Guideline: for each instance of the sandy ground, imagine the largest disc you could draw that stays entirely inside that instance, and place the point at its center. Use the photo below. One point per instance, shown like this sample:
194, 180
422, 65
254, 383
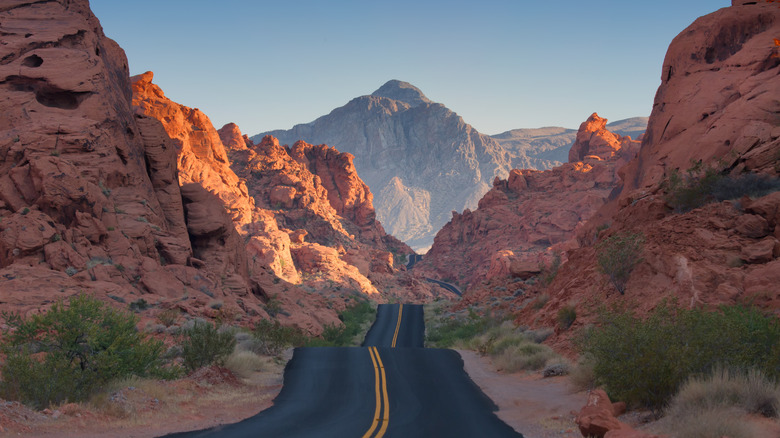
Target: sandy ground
143, 409
532, 405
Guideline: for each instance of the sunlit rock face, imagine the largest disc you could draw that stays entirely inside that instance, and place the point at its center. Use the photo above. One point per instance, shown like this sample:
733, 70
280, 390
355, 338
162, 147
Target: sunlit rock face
420, 159
90, 199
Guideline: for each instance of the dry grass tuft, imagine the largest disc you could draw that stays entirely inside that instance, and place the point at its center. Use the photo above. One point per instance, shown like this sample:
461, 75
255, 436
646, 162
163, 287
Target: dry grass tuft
751, 392
713, 422
715, 405
582, 376
244, 363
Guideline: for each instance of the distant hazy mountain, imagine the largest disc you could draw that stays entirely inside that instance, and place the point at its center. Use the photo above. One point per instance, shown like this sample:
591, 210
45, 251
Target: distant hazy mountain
420, 159
545, 148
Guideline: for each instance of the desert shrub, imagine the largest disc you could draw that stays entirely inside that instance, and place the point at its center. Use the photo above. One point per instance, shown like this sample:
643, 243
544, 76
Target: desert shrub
525, 356
702, 184
566, 316
72, 350
713, 423
168, 317
750, 391
550, 272
244, 363
618, 255
645, 361
272, 338
273, 307
448, 332
582, 376
202, 345
715, 405
540, 301
354, 319
139, 305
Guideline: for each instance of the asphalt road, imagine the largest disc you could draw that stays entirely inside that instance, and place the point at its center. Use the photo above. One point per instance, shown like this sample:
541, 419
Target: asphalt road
448, 286
403, 324
375, 391
413, 259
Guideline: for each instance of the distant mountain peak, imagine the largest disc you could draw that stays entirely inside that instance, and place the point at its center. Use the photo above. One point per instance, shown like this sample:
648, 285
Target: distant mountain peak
402, 91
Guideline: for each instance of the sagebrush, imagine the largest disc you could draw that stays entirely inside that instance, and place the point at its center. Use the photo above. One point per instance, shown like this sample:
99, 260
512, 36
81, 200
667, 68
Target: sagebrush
644, 361
618, 255
203, 344
69, 352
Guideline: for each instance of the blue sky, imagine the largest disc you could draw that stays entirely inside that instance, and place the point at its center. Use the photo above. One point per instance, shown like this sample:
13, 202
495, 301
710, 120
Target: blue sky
500, 64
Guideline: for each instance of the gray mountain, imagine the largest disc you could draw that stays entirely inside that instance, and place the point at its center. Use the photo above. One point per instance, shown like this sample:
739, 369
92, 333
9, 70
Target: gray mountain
420, 159
545, 148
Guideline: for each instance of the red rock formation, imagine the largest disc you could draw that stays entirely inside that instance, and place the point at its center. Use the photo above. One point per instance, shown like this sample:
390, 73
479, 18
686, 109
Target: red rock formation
718, 98
521, 218
232, 138
89, 192
201, 154
717, 105
598, 418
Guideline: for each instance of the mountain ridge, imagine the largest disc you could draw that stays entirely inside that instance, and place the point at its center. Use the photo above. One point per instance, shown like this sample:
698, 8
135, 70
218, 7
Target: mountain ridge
400, 149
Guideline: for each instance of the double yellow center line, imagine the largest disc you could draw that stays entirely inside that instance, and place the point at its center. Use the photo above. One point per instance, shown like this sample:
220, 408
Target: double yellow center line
398, 325
382, 411
382, 402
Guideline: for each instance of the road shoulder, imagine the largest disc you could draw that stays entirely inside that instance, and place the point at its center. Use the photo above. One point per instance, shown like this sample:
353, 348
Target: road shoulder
532, 405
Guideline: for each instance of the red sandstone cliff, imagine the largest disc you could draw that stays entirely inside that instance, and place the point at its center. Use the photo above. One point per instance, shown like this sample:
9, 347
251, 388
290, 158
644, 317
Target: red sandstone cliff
89, 193
521, 219
718, 106
119, 192
306, 217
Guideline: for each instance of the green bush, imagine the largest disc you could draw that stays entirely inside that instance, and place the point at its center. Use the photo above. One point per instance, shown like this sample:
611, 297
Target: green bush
203, 345
705, 184
72, 350
448, 332
354, 319
644, 361
618, 255
272, 338
566, 316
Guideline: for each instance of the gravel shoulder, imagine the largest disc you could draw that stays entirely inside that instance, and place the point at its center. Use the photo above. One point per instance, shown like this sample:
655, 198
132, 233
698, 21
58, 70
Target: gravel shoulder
534, 406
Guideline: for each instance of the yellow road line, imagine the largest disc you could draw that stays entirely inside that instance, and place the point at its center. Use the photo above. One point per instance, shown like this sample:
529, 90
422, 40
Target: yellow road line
386, 417
383, 402
378, 400
398, 325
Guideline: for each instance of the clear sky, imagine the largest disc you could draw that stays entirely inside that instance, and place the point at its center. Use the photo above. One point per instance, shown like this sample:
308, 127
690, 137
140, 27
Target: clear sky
500, 64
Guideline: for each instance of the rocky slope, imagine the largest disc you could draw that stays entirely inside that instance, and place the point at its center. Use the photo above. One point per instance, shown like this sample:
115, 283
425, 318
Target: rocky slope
545, 148
420, 159
717, 107
109, 188
520, 219
89, 195
306, 217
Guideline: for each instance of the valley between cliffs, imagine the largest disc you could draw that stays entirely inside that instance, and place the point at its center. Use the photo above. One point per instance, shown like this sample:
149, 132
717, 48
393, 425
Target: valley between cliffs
110, 189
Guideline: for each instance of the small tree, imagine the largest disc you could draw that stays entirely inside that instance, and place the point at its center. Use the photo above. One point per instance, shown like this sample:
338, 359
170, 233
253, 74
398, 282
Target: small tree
203, 345
71, 350
618, 255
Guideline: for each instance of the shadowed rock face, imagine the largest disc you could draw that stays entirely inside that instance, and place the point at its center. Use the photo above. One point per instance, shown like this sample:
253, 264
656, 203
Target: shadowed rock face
420, 159
718, 105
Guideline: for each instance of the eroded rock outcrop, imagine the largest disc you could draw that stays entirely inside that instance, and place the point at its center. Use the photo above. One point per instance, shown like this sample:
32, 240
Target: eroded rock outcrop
89, 192
521, 219
717, 108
